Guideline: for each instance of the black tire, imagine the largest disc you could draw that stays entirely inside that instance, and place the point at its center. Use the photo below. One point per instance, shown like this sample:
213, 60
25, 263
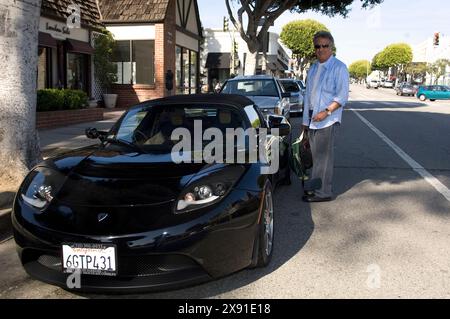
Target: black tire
422, 98
263, 249
432, 100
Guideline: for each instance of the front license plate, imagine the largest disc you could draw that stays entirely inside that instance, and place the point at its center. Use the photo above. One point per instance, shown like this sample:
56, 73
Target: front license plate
90, 259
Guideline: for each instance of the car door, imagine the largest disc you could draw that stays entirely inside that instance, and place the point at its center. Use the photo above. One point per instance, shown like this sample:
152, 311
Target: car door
435, 92
446, 93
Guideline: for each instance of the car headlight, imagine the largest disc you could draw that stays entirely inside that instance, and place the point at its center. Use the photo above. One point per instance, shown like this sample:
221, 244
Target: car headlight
208, 189
277, 110
40, 187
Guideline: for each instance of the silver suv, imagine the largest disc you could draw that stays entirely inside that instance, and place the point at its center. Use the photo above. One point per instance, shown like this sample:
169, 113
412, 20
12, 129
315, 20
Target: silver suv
293, 87
265, 91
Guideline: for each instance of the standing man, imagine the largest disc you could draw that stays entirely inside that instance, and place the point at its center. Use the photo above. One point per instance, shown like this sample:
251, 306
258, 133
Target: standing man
327, 91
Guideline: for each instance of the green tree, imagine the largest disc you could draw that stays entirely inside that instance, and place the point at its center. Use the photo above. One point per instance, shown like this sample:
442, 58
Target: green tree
416, 70
298, 36
378, 63
397, 55
105, 69
437, 69
360, 69
261, 14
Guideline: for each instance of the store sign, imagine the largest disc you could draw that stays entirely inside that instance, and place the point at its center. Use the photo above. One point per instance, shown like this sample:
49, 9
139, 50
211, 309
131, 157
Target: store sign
57, 29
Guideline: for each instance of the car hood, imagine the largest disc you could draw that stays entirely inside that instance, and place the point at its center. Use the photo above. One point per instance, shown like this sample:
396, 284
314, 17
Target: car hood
265, 102
113, 177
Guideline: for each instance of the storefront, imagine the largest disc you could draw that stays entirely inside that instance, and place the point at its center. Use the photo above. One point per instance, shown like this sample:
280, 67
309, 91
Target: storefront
65, 54
154, 39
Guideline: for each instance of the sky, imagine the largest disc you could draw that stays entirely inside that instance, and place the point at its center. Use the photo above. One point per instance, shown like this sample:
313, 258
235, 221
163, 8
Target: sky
364, 32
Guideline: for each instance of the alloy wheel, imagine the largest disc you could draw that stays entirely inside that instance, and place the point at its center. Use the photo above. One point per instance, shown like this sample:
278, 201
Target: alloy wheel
268, 223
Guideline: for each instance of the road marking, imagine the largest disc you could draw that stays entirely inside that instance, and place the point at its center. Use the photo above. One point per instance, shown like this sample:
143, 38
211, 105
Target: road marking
433, 181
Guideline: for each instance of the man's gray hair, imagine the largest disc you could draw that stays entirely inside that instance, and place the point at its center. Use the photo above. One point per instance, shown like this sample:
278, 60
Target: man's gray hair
325, 35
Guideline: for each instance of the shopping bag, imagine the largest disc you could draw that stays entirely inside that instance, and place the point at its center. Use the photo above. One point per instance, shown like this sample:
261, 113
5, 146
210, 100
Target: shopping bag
301, 157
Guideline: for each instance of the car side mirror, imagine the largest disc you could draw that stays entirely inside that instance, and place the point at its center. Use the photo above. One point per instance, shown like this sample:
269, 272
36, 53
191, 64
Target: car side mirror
286, 95
280, 123
93, 133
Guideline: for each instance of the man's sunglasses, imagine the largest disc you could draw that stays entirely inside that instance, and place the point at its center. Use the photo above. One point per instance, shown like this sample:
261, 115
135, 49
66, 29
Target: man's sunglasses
324, 46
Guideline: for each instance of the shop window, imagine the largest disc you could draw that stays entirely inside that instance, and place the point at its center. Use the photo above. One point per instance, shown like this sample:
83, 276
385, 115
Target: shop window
76, 71
193, 73
135, 62
178, 77
186, 64
44, 75
186, 71
143, 62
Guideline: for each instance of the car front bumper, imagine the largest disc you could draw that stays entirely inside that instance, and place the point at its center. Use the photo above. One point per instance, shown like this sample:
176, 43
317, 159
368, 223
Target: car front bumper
218, 243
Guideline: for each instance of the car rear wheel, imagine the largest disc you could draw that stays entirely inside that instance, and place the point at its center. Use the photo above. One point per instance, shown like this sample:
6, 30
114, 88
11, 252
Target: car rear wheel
422, 97
264, 241
432, 100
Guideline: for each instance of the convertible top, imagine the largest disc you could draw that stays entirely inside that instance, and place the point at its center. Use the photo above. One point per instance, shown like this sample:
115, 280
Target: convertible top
226, 99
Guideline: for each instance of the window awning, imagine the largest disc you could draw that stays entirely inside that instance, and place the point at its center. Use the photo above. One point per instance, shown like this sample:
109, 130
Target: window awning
218, 61
46, 40
76, 46
277, 63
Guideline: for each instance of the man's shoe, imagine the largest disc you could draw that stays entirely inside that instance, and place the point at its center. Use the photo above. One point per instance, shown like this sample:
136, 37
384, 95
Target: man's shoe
316, 199
307, 195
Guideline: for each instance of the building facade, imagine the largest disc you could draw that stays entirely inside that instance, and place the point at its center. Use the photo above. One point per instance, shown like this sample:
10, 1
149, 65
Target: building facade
154, 40
225, 54
429, 52
65, 51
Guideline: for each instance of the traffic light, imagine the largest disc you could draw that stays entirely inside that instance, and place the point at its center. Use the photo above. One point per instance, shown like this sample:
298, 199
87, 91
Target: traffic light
436, 39
225, 24
235, 47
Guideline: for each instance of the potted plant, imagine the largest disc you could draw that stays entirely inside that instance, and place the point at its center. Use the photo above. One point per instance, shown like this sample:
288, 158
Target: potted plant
105, 69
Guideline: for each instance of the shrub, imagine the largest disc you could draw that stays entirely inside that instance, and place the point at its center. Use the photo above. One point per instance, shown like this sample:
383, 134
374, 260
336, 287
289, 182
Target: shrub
54, 99
50, 100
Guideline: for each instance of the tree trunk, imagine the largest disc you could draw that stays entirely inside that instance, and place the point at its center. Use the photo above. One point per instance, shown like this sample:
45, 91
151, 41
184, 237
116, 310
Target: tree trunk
251, 63
19, 146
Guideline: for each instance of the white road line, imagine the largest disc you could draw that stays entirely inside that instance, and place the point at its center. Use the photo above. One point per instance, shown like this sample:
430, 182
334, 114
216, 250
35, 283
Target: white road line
433, 181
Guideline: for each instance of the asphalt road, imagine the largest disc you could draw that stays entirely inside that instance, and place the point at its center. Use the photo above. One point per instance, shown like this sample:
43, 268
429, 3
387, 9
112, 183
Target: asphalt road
387, 234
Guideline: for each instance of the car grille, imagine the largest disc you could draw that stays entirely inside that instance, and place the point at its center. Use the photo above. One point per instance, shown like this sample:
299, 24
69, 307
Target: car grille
135, 266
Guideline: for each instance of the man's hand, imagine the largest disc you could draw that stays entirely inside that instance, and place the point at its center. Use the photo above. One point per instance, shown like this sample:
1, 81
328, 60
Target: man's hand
320, 116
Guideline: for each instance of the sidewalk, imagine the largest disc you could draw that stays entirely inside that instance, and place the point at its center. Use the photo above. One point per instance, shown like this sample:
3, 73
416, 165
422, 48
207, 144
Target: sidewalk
57, 141
63, 139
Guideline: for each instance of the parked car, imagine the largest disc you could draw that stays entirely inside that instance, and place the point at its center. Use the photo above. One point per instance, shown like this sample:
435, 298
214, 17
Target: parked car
127, 217
405, 89
302, 86
265, 91
388, 84
372, 84
296, 100
433, 92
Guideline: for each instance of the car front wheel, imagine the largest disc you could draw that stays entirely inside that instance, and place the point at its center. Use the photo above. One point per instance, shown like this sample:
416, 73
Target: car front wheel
422, 97
265, 235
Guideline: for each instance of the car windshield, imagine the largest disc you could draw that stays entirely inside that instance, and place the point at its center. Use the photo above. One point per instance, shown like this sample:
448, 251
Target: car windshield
251, 88
290, 86
301, 85
150, 128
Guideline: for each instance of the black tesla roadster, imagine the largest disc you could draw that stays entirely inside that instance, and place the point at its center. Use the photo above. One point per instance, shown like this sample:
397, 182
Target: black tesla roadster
126, 217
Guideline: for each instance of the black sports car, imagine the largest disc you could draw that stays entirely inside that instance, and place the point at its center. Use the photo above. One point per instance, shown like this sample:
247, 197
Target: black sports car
126, 217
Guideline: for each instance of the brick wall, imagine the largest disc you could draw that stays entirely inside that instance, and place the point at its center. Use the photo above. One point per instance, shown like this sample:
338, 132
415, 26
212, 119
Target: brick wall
165, 34
46, 120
